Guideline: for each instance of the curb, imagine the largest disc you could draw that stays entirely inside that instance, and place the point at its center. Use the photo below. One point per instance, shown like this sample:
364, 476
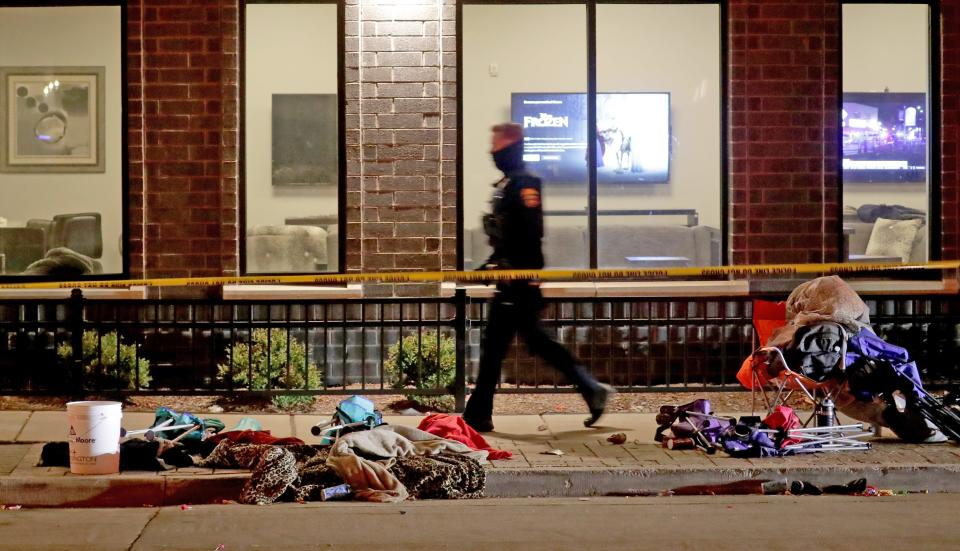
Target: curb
593, 482
171, 489
119, 490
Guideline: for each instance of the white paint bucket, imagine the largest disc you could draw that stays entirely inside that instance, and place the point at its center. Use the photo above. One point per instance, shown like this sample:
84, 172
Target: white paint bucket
94, 437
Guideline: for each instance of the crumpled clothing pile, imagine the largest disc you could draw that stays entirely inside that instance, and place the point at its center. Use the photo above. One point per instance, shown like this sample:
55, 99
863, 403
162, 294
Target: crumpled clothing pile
387, 463
822, 299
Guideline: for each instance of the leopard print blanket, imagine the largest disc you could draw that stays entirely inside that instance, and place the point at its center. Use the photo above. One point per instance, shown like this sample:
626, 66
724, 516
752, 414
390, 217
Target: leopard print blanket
300, 472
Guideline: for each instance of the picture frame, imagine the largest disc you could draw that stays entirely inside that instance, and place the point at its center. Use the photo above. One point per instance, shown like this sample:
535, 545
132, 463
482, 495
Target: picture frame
52, 119
304, 140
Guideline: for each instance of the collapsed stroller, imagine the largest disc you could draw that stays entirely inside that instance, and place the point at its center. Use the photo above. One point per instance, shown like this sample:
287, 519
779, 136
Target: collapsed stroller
877, 368
781, 433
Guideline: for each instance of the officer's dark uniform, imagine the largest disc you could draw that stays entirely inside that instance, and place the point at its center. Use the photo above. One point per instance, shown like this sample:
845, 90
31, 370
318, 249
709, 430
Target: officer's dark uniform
515, 229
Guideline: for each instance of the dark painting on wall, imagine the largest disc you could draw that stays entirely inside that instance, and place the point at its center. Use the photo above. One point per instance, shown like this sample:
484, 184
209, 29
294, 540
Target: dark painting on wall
304, 141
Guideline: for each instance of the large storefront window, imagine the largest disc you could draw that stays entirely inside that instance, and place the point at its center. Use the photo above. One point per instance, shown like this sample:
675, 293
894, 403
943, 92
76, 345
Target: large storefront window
62, 143
512, 72
659, 181
654, 194
291, 138
886, 122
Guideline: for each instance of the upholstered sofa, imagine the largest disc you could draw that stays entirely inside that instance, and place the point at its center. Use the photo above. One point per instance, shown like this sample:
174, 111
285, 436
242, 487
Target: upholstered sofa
567, 246
291, 249
889, 242
67, 244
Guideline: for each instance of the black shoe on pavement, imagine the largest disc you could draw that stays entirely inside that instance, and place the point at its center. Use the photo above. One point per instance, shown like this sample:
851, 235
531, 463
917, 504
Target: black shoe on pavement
804, 488
854, 487
485, 425
598, 403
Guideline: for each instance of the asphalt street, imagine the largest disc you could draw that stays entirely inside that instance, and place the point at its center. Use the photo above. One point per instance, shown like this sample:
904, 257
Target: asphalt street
702, 523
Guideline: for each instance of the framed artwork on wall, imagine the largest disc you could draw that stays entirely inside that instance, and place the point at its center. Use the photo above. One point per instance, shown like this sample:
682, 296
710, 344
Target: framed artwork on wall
52, 119
304, 140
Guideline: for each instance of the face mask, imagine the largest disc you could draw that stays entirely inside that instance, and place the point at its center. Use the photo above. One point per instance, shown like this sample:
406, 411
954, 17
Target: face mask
509, 158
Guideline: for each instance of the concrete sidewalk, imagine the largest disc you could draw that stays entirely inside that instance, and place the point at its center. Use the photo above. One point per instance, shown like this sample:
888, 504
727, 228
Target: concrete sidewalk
588, 466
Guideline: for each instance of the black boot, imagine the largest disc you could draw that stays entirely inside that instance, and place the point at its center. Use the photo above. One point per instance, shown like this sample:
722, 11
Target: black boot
597, 403
854, 487
479, 425
804, 488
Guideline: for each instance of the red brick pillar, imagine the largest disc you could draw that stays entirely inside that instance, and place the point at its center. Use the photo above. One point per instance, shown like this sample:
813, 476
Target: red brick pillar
182, 69
950, 127
784, 85
401, 139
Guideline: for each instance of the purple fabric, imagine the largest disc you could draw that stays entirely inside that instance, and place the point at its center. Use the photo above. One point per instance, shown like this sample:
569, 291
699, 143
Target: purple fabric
867, 344
710, 427
757, 444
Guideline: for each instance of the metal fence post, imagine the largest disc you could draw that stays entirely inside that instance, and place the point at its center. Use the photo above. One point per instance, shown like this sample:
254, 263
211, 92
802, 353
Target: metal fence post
460, 327
75, 313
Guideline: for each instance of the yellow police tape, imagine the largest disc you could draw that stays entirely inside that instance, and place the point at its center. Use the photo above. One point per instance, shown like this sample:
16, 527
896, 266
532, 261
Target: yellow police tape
498, 275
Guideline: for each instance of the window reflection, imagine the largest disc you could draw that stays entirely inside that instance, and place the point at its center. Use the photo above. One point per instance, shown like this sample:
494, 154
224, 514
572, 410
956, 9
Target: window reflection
885, 132
526, 76
291, 138
61, 168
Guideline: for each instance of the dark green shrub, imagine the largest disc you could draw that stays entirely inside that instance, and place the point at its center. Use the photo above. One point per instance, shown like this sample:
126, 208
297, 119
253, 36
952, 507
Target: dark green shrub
255, 367
100, 362
420, 361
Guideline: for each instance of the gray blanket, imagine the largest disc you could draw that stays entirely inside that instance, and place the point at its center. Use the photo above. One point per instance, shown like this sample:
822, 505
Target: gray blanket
388, 441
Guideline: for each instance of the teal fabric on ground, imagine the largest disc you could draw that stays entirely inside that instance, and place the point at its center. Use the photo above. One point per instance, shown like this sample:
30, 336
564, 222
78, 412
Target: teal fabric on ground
206, 425
248, 423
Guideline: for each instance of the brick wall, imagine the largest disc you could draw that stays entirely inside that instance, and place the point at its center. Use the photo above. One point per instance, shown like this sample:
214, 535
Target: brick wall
784, 77
182, 66
950, 127
401, 139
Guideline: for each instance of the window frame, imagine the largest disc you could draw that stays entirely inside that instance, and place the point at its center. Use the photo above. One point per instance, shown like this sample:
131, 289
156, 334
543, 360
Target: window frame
341, 135
592, 187
934, 174
124, 272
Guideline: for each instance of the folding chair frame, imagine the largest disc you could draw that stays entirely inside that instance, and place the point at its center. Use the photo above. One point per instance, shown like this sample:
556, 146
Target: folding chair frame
784, 388
822, 439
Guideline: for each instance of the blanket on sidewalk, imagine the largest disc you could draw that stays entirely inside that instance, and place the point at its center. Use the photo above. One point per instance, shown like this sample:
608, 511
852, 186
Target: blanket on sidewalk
386, 466
364, 459
387, 441
455, 428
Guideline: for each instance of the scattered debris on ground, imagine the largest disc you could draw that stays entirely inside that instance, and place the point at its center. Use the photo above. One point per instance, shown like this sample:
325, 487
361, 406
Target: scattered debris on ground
617, 438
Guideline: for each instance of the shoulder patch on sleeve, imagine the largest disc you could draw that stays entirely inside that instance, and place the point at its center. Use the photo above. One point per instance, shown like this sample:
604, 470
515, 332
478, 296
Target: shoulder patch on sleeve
530, 197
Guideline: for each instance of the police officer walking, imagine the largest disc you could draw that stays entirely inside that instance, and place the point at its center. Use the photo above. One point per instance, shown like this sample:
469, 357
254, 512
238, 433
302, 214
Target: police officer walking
514, 229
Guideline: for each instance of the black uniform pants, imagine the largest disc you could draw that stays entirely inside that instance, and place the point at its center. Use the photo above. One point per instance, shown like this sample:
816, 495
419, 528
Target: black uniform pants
512, 312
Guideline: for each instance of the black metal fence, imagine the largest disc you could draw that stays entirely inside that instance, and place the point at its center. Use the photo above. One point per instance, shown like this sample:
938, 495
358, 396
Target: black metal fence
427, 346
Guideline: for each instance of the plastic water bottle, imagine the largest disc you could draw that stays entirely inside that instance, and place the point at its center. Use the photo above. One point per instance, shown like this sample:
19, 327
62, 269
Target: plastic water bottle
825, 413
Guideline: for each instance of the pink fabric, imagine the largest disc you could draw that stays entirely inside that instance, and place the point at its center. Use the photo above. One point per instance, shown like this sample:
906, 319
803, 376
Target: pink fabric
455, 428
783, 418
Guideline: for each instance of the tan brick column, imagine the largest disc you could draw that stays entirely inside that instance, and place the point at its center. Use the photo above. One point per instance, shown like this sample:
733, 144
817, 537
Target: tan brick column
401, 140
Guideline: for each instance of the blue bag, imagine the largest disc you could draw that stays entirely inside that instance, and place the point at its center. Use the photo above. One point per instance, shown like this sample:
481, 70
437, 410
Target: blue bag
358, 409
353, 414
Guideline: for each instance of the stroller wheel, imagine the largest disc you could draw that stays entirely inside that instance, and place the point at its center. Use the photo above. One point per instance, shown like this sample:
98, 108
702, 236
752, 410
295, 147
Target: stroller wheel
952, 399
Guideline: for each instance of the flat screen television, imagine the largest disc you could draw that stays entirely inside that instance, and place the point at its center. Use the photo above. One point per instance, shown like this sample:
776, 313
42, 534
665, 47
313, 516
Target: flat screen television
884, 137
633, 136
